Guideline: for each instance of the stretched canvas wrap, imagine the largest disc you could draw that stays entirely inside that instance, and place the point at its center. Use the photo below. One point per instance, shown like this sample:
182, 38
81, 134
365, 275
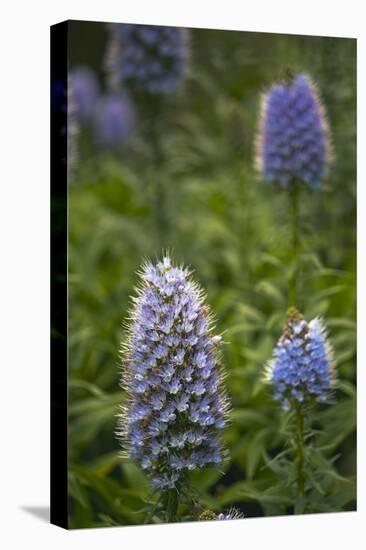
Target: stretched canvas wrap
203, 216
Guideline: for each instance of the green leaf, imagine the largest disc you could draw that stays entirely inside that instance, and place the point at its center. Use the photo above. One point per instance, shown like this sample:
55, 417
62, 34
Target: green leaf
255, 451
269, 290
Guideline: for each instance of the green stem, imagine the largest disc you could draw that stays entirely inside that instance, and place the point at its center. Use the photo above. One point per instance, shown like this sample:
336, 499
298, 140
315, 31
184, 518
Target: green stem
299, 506
172, 501
160, 211
154, 115
294, 205
245, 224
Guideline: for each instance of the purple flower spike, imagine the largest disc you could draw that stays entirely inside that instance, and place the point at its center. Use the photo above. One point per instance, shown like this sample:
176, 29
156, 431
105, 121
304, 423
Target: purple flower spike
174, 416
147, 58
302, 370
85, 92
293, 139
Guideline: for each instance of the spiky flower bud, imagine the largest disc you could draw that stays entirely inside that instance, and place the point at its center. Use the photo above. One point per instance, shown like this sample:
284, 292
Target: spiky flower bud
233, 513
113, 121
176, 402
147, 58
293, 139
302, 370
85, 91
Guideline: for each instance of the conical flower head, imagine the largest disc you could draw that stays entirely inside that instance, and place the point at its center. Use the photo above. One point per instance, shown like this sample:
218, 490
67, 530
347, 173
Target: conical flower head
147, 58
176, 403
301, 370
293, 139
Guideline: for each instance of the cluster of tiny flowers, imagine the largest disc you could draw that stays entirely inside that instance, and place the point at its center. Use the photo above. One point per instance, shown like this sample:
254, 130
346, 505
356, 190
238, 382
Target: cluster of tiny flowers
302, 368
113, 121
177, 406
146, 58
85, 92
293, 141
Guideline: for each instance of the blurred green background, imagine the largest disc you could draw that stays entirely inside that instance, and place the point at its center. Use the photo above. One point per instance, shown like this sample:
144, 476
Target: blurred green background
233, 230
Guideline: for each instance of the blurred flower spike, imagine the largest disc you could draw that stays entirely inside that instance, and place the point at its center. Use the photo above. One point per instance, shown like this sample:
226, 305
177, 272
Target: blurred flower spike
85, 92
146, 58
113, 121
293, 139
177, 406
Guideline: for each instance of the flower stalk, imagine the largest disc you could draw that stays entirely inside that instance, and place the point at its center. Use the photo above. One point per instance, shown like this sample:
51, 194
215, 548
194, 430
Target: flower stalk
172, 503
154, 114
300, 501
294, 193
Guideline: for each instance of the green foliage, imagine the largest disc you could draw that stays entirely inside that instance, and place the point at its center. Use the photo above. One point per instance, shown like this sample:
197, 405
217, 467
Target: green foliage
233, 230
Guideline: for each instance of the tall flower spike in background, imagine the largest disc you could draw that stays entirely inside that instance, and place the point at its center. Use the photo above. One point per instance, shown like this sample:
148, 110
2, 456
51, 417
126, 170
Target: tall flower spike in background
147, 58
150, 62
293, 139
176, 402
293, 149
